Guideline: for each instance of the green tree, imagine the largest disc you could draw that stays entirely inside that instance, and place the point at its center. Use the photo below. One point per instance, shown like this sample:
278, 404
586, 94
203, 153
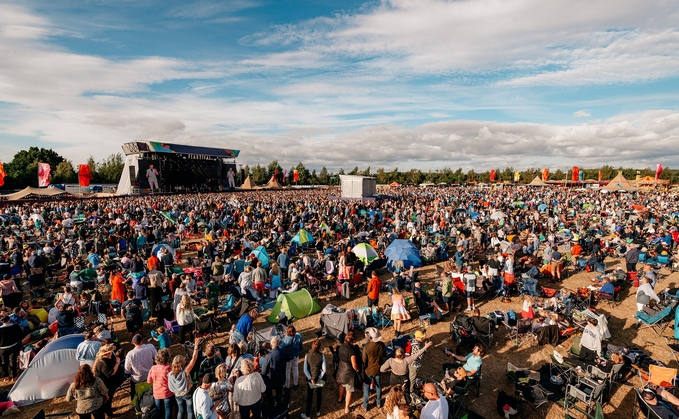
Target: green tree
366, 172
304, 175
324, 177
64, 173
272, 168
354, 172
110, 169
259, 175
313, 179
22, 171
381, 176
341, 171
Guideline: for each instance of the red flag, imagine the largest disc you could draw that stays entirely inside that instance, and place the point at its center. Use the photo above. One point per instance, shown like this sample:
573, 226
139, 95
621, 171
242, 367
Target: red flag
43, 174
601, 175
295, 176
2, 175
492, 175
545, 174
576, 174
84, 174
658, 171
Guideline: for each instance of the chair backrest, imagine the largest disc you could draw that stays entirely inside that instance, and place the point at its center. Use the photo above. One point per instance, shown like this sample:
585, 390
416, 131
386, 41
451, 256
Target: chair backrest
661, 376
644, 407
578, 394
663, 259
168, 326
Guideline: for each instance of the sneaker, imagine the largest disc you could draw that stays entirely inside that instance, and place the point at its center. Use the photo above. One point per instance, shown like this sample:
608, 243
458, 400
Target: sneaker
318, 414
468, 309
304, 416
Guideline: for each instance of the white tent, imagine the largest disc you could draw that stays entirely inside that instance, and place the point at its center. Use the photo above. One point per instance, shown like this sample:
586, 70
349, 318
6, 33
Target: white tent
50, 373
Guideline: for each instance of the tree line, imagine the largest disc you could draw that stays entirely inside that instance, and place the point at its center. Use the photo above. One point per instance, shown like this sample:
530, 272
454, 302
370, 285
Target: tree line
262, 174
22, 171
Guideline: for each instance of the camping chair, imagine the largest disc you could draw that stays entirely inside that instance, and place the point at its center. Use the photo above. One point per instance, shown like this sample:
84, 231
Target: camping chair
610, 300
515, 374
172, 329
463, 334
534, 394
521, 333
659, 321
483, 329
143, 402
456, 402
658, 376
586, 391
641, 406
42, 415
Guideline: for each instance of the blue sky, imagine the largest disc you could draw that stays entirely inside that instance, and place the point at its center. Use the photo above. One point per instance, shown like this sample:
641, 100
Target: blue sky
394, 83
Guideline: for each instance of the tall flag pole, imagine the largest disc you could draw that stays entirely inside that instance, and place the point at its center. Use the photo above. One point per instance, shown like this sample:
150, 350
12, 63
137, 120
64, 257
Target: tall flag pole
43, 174
658, 172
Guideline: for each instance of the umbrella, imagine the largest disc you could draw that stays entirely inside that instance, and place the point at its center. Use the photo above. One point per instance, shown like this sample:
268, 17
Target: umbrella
365, 253
405, 251
260, 253
474, 215
37, 217
497, 215
302, 237
363, 234
167, 247
459, 211
324, 227
543, 207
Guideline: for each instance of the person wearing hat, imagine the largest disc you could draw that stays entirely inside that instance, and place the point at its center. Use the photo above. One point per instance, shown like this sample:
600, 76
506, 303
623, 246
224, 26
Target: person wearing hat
203, 406
107, 368
373, 356
661, 402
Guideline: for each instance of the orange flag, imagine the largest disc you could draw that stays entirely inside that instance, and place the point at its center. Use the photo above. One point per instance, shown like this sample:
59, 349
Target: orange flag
2, 174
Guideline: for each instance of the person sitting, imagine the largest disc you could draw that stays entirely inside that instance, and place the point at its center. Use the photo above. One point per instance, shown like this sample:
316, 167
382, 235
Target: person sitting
607, 288
425, 303
472, 362
458, 379
661, 402
66, 320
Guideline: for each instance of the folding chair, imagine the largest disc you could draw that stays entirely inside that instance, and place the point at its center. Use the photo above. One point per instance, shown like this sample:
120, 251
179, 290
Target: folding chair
662, 377
641, 406
585, 391
172, 328
456, 402
484, 329
658, 322
521, 375
534, 394
521, 333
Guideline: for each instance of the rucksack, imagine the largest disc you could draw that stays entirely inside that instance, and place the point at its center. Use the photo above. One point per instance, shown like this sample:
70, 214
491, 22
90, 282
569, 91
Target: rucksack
511, 318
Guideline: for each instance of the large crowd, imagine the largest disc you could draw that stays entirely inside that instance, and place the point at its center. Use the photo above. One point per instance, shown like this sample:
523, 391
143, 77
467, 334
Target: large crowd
167, 260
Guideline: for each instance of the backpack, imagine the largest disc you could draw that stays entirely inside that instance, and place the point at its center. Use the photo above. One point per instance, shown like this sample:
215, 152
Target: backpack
511, 318
463, 322
132, 310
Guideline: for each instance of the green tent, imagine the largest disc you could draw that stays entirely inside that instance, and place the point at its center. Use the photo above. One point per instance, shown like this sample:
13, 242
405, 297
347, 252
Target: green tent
296, 305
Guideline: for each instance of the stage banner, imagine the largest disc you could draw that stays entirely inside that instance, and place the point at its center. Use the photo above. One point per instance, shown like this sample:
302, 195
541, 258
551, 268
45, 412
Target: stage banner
576, 174
517, 176
492, 175
545, 174
43, 174
601, 175
2, 175
582, 175
658, 171
295, 176
84, 174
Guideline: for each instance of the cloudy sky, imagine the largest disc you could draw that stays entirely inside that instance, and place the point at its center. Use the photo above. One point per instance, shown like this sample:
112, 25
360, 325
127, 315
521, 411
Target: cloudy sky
393, 83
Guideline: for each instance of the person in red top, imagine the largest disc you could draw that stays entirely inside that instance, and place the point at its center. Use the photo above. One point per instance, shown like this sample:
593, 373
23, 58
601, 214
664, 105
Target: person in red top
153, 262
162, 395
374, 287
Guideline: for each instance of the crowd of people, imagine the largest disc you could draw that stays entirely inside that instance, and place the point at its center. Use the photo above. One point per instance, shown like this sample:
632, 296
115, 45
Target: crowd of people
141, 256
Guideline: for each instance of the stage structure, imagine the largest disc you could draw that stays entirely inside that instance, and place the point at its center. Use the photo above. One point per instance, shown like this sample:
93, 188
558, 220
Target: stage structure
153, 167
358, 187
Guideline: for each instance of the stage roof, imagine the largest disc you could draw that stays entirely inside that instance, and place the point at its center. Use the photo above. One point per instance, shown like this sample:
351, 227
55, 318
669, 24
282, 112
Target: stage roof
137, 147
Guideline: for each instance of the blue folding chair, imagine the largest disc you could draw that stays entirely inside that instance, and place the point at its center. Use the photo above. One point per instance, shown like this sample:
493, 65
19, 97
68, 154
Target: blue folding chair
659, 321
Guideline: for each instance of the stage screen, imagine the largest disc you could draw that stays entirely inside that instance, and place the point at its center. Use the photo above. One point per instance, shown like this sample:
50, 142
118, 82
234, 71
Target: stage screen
178, 174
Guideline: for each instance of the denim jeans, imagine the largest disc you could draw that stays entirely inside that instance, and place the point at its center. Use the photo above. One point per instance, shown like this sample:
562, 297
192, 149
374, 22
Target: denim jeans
163, 408
254, 409
184, 405
531, 286
366, 390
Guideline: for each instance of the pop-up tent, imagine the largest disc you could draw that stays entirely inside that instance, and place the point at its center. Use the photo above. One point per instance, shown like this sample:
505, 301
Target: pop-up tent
405, 251
303, 237
296, 305
50, 373
261, 254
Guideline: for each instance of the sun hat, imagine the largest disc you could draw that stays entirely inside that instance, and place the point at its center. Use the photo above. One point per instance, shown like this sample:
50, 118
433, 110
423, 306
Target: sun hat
373, 334
419, 334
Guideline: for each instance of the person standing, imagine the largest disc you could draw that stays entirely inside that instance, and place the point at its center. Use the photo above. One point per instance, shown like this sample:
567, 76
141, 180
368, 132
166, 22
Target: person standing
180, 384
590, 343
10, 345
555, 263
158, 377
203, 406
107, 368
152, 177
314, 369
348, 369
87, 350
186, 318
632, 258
399, 312
436, 407
247, 391
373, 355
399, 367
89, 392
273, 371
292, 342
374, 288
415, 366
139, 361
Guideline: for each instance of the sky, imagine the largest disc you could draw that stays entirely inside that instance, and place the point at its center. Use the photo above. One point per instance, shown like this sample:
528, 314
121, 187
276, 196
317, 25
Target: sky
426, 84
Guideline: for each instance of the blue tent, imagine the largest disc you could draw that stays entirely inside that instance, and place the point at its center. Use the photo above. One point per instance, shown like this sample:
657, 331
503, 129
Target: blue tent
167, 247
404, 250
543, 207
260, 253
474, 215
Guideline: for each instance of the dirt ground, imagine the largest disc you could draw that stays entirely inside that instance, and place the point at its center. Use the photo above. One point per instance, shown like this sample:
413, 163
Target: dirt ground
621, 324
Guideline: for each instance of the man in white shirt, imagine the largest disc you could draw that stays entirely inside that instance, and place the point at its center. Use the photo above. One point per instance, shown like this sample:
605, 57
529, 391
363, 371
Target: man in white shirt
203, 406
436, 407
139, 361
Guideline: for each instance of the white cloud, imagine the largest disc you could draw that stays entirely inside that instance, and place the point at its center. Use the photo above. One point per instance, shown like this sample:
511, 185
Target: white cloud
582, 114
